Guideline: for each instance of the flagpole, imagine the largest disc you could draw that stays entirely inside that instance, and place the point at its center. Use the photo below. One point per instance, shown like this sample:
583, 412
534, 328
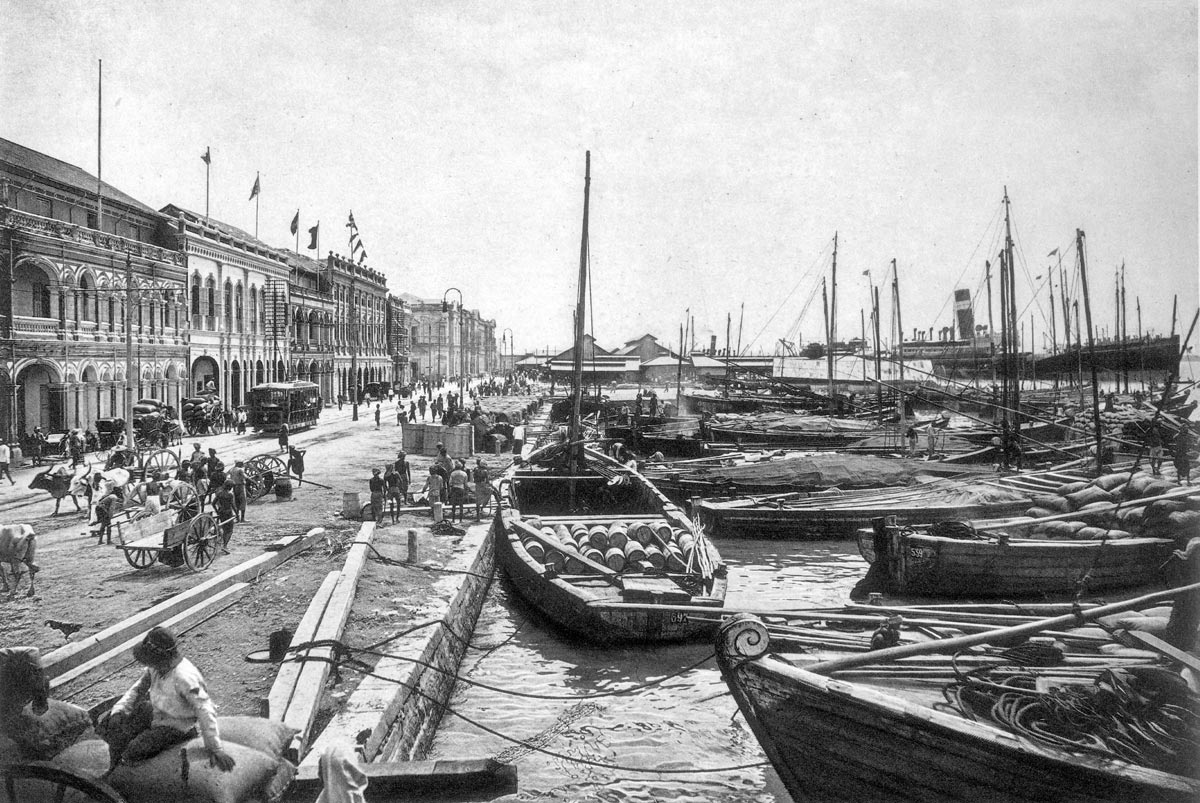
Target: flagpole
207, 168
297, 231
99, 143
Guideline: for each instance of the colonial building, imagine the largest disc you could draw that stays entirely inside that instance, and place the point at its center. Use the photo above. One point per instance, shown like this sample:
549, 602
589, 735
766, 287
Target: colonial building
360, 325
399, 319
237, 303
311, 319
447, 340
75, 264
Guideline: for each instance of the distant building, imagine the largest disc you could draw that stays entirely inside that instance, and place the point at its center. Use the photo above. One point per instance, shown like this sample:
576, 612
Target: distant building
237, 306
360, 326
645, 348
308, 320
399, 323
68, 260
446, 341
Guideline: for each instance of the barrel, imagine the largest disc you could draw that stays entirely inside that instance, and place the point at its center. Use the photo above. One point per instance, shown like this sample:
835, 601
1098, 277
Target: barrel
598, 536
615, 559
437, 511
686, 542
535, 549
643, 534
594, 555
573, 565
18, 456
562, 534
351, 505
634, 552
656, 558
664, 532
555, 560
675, 561
618, 535
578, 530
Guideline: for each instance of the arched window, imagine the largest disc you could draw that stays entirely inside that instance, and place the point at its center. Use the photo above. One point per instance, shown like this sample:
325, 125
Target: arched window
253, 309
210, 311
168, 301
228, 306
112, 314
85, 310
196, 299
239, 303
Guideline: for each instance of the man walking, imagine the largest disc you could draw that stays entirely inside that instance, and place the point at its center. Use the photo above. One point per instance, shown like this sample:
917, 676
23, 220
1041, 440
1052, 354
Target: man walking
226, 510
482, 486
378, 412
377, 486
518, 439
5, 459
237, 475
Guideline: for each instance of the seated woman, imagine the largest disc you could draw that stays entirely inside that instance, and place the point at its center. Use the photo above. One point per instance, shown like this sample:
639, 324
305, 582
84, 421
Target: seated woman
166, 707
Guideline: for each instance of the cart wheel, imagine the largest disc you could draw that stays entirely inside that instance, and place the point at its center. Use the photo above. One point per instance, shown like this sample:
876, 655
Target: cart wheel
162, 460
256, 467
185, 501
41, 780
200, 544
140, 558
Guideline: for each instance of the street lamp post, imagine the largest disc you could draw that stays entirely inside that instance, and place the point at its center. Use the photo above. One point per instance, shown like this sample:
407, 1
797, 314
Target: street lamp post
462, 352
507, 337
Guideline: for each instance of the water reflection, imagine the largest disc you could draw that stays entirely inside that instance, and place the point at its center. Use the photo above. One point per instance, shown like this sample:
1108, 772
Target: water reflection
589, 748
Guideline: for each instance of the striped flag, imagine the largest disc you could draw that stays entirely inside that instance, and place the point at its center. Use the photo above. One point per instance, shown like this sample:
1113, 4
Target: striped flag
207, 156
255, 189
356, 244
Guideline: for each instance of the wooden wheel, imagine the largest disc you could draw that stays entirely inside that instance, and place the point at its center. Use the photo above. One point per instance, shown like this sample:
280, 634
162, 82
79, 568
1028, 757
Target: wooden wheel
41, 780
200, 544
161, 460
140, 558
255, 468
184, 500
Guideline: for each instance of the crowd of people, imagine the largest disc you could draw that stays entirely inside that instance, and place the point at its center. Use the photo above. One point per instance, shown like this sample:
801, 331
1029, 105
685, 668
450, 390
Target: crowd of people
450, 483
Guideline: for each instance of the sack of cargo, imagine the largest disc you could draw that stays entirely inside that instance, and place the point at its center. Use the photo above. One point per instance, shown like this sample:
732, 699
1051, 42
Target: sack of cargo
1055, 503
1087, 496
1056, 529
1098, 513
1071, 487
1075, 526
40, 738
1108, 482
1184, 523
1156, 625
87, 757
1039, 512
1089, 534
1116, 535
1192, 502
1158, 488
144, 409
1131, 517
151, 402
1136, 487
1161, 509
182, 774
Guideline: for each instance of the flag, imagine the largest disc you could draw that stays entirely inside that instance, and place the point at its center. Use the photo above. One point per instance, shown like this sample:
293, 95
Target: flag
314, 233
866, 273
352, 225
296, 222
362, 257
1052, 253
256, 188
207, 156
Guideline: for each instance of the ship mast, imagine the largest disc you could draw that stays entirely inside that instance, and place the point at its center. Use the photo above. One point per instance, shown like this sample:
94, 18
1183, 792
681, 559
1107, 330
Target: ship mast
1091, 343
575, 433
831, 319
1012, 312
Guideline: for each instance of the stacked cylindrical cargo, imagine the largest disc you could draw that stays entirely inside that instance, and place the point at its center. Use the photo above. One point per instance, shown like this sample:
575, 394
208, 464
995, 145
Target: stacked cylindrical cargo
623, 546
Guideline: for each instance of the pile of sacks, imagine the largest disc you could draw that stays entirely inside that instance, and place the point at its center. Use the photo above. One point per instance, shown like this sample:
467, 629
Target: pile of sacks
66, 737
1093, 501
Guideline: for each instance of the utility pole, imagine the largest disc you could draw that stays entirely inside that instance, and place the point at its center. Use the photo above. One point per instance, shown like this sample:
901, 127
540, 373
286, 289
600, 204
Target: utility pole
353, 350
128, 351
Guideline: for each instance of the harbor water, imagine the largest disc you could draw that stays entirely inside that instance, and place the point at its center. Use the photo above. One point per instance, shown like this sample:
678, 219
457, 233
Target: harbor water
584, 743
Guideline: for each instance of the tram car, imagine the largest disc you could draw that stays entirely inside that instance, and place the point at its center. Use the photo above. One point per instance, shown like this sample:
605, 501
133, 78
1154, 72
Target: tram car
297, 404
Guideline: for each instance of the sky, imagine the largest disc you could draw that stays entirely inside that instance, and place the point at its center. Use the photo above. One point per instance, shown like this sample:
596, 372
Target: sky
729, 142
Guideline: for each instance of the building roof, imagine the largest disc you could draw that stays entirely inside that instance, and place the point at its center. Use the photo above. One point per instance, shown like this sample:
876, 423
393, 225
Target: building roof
704, 361
665, 359
640, 339
65, 174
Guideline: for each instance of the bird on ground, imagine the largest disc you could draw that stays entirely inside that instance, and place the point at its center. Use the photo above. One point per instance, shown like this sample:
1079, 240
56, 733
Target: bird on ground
66, 628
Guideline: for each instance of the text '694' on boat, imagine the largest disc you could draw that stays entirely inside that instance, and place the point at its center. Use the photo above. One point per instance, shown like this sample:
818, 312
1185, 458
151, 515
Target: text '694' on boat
593, 545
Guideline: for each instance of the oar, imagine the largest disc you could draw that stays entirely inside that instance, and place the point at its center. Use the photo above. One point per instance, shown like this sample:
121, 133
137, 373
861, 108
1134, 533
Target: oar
1004, 633
605, 572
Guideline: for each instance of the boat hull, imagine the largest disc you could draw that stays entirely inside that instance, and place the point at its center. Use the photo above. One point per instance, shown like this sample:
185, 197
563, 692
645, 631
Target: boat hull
920, 564
831, 740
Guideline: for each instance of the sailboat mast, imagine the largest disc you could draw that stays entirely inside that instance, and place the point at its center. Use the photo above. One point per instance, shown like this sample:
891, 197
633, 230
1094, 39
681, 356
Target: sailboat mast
878, 363
728, 359
987, 272
1012, 311
899, 325
1124, 329
831, 326
828, 344
1005, 336
576, 429
1091, 341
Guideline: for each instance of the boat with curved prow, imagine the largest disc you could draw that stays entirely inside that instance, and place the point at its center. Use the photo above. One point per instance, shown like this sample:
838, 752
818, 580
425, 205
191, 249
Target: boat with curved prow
592, 544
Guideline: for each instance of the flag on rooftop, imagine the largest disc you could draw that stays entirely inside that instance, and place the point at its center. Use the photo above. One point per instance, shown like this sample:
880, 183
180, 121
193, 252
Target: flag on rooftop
314, 233
296, 222
207, 156
256, 188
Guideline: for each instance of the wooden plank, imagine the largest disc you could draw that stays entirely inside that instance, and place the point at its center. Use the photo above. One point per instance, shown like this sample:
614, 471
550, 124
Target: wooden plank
301, 710
408, 779
177, 623
144, 528
72, 655
284, 687
1165, 648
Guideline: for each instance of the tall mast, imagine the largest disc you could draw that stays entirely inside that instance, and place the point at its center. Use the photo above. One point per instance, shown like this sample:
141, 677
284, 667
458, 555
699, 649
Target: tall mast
741, 320
987, 272
899, 324
1053, 323
728, 358
1005, 362
1124, 328
1012, 311
828, 342
832, 324
1087, 311
576, 430
878, 363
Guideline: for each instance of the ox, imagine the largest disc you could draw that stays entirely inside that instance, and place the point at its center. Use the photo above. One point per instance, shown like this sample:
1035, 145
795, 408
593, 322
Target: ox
18, 545
58, 481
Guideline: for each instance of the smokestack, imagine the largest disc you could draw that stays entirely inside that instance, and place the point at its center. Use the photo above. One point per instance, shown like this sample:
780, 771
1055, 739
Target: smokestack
712, 346
964, 314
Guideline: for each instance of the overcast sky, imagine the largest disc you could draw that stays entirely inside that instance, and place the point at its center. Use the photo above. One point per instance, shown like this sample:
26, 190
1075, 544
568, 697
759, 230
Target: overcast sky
729, 142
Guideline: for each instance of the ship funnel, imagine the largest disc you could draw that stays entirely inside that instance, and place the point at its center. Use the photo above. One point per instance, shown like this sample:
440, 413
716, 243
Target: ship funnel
964, 314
